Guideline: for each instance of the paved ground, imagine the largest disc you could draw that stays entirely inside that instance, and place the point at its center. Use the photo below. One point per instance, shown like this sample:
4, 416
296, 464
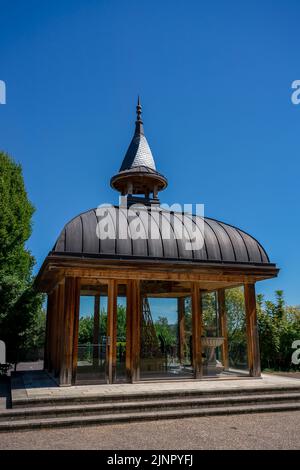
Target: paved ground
37, 384
253, 431
293, 375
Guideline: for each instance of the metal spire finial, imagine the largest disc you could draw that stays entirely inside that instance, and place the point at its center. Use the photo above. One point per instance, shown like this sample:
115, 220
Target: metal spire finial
139, 110
139, 129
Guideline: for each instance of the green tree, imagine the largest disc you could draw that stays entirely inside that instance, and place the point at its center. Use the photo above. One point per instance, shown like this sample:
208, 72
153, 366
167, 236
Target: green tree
209, 312
268, 331
19, 303
166, 331
236, 327
86, 329
279, 326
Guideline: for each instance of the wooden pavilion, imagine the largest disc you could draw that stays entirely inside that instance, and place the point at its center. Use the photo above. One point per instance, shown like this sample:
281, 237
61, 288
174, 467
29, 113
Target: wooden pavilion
85, 264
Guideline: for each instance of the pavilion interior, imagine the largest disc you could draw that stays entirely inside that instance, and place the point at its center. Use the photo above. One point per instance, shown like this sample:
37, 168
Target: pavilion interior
166, 332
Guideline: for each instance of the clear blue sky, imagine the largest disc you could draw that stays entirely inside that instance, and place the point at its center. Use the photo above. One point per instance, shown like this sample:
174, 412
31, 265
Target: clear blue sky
215, 80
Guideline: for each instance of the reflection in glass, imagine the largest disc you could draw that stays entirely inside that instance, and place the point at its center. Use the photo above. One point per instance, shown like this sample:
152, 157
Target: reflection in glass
166, 332
91, 359
236, 329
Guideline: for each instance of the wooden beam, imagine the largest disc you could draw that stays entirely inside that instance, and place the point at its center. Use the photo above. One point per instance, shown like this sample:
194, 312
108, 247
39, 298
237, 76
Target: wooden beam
252, 331
136, 330
57, 266
223, 327
59, 262
160, 275
196, 330
181, 328
111, 362
70, 331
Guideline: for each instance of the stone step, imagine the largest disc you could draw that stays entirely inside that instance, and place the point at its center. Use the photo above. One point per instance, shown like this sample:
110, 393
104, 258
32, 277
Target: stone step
73, 398
142, 405
54, 422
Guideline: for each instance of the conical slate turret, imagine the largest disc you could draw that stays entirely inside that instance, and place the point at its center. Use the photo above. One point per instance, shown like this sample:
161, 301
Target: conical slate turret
138, 153
138, 174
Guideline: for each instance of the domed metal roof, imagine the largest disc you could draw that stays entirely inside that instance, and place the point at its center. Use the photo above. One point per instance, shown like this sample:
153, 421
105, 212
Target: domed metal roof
222, 243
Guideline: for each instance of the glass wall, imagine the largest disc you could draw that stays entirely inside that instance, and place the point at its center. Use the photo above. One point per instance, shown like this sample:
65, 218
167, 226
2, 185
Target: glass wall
92, 364
165, 330
211, 337
91, 360
121, 334
166, 333
236, 330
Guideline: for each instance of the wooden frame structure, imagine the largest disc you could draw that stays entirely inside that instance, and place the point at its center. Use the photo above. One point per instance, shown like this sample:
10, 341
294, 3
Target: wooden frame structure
63, 277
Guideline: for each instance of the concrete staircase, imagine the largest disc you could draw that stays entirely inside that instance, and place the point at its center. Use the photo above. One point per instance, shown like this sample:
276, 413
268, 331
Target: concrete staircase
36, 413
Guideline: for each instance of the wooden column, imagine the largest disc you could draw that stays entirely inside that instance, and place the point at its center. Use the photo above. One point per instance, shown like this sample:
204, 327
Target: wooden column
76, 329
111, 340
252, 331
96, 329
196, 330
53, 332
70, 331
136, 330
48, 333
223, 327
62, 326
128, 360
181, 328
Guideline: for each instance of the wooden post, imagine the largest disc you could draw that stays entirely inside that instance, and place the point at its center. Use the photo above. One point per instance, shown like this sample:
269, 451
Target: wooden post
76, 329
111, 362
96, 330
181, 328
136, 330
252, 331
196, 330
128, 360
223, 327
58, 306
53, 333
47, 334
60, 327
70, 331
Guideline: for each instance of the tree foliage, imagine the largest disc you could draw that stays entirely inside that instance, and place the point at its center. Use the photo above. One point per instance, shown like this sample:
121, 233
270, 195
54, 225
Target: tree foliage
20, 305
279, 326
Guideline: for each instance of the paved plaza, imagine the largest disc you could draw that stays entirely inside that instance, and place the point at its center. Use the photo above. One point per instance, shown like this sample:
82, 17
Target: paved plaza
253, 431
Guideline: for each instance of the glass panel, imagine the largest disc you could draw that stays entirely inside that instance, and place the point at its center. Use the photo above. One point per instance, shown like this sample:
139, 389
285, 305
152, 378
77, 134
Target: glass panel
91, 361
121, 333
236, 330
166, 331
211, 339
